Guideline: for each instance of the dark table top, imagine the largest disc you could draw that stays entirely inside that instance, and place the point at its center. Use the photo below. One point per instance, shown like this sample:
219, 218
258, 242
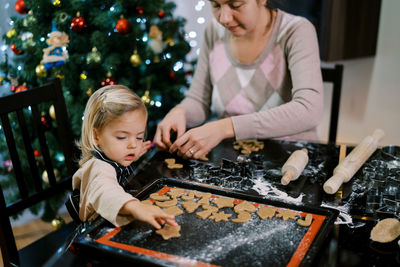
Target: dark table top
259, 173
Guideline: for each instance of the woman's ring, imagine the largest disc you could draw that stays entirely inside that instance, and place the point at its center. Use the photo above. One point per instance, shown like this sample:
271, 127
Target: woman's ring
191, 152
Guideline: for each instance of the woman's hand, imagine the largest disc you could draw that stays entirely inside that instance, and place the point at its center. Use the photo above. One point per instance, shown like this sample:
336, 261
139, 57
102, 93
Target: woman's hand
198, 141
174, 120
147, 213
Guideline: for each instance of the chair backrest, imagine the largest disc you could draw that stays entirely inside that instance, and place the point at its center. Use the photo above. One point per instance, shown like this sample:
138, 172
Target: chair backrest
334, 76
21, 117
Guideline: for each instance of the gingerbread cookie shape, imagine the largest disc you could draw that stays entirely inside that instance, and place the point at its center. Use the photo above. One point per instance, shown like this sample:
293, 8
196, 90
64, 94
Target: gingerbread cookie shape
222, 202
173, 210
169, 231
386, 230
167, 204
156, 196
220, 216
266, 212
244, 206
169, 161
208, 210
242, 217
190, 196
286, 214
307, 221
176, 192
190, 206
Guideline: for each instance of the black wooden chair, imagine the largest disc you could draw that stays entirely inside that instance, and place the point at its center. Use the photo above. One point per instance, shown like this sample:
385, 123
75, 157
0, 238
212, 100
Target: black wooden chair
23, 108
334, 76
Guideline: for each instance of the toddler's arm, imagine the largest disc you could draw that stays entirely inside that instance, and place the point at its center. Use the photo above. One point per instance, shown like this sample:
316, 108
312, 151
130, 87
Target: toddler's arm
147, 213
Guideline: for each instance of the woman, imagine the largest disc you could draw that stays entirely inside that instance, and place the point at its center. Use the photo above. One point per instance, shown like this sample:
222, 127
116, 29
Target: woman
259, 70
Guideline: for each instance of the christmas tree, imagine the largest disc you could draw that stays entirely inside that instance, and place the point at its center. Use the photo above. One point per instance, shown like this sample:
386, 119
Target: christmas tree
91, 43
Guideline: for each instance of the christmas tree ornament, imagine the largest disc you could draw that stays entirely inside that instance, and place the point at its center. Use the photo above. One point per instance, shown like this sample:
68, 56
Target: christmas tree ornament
52, 112
57, 223
83, 76
93, 57
38, 156
29, 20
139, 10
56, 54
57, 3
11, 33
156, 44
44, 121
8, 165
61, 18
123, 26
161, 14
170, 41
29, 44
135, 59
41, 70
89, 91
21, 88
16, 50
109, 80
37, 153
45, 176
146, 98
1, 80
20, 7
172, 75
59, 75
78, 23
14, 83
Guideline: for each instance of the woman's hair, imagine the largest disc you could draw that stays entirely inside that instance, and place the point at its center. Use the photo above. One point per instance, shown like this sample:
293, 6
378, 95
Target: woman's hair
105, 105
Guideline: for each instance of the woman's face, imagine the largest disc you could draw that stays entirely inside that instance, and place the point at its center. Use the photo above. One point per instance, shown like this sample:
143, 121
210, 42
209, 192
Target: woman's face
240, 17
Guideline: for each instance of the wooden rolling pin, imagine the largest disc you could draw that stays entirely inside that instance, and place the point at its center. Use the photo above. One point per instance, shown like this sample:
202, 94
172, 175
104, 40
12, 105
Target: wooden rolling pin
293, 167
350, 165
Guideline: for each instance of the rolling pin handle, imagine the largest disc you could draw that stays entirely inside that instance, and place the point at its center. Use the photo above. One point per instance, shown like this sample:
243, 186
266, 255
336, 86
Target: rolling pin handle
332, 185
287, 177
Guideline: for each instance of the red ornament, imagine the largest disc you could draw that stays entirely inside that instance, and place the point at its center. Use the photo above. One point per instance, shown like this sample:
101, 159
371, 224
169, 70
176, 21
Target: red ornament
20, 7
172, 75
161, 14
36, 153
78, 23
44, 121
16, 50
123, 26
139, 10
21, 88
108, 81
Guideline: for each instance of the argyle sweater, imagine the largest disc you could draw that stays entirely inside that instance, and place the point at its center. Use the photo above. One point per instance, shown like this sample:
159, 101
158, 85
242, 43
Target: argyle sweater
279, 95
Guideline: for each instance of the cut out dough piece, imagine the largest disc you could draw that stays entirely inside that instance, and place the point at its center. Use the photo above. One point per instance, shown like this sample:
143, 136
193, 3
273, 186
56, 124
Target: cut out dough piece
176, 192
266, 212
242, 217
190, 206
306, 222
175, 166
190, 196
222, 202
167, 204
169, 231
220, 216
386, 230
174, 210
147, 202
208, 210
286, 214
169, 161
202, 195
244, 206
156, 196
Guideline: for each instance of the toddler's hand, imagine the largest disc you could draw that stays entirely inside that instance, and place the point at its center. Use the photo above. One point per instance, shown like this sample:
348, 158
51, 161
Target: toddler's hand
148, 213
146, 146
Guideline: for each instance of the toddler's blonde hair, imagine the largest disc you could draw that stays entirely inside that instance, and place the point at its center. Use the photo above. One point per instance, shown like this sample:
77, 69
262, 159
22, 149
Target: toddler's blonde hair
103, 106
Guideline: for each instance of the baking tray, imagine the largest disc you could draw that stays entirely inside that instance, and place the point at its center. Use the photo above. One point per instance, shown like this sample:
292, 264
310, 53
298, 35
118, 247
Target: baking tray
272, 242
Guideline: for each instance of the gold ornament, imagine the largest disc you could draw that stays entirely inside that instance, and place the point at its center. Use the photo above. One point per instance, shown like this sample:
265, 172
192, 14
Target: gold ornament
57, 223
135, 59
52, 112
146, 98
45, 177
11, 33
83, 76
57, 3
40, 71
170, 41
60, 76
1, 80
89, 91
